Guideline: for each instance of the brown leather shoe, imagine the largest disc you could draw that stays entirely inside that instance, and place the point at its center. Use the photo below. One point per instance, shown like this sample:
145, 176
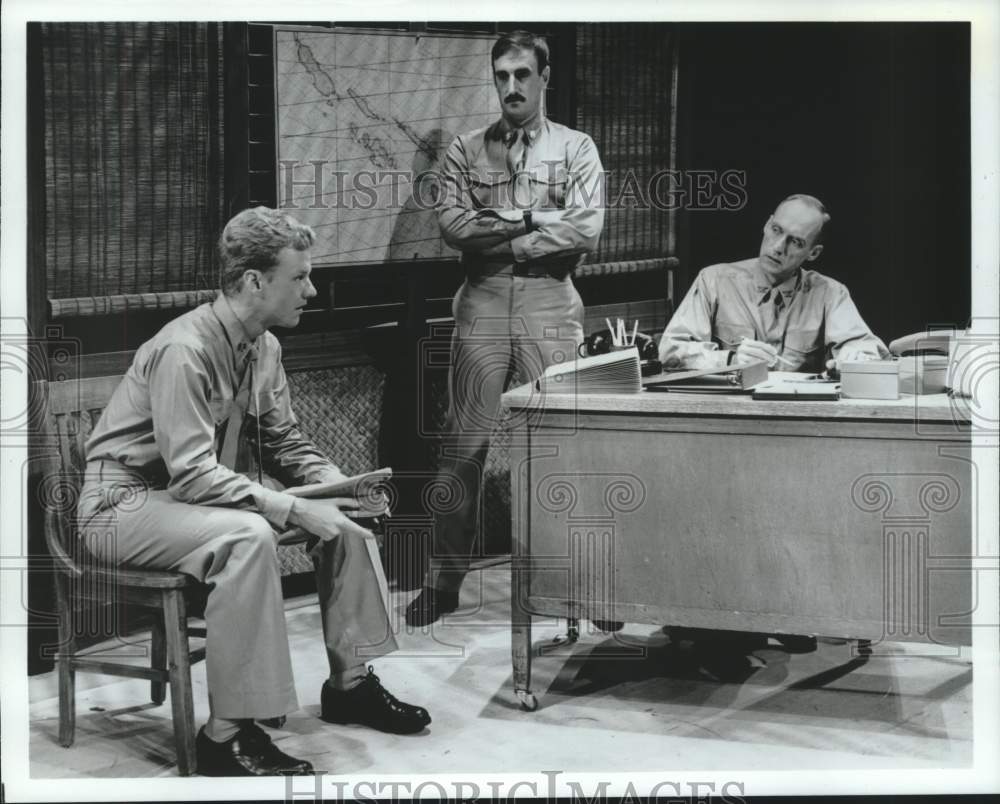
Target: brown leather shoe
371, 704
249, 753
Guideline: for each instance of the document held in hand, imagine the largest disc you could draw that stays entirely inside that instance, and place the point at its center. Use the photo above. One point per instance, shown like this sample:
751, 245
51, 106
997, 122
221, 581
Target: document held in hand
366, 488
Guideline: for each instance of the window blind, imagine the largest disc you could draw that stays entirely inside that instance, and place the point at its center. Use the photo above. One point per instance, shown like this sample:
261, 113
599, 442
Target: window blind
626, 78
133, 157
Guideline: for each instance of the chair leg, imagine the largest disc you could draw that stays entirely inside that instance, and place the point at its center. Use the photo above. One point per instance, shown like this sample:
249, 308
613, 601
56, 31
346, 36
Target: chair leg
158, 660
64, 661
179, 667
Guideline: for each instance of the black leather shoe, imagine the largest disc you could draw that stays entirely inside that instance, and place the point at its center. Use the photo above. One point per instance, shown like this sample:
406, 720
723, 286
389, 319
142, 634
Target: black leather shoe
796, 643
721, 663
249, 753
371, 704
429, 605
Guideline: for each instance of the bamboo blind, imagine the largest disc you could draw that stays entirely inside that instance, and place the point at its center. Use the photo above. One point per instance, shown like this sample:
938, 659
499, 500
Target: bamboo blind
626, 82
133, 157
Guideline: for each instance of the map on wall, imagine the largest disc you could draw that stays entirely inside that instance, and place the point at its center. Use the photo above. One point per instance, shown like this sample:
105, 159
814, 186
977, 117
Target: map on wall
363, 121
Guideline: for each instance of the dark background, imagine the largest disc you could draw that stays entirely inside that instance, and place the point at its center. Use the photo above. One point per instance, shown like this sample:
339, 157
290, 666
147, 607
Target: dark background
871, 118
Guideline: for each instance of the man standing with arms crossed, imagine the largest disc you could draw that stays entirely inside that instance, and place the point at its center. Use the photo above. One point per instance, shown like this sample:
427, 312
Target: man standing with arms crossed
522, 199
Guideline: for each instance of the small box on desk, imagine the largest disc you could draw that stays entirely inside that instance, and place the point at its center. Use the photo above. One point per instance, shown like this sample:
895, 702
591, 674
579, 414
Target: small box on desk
870, 379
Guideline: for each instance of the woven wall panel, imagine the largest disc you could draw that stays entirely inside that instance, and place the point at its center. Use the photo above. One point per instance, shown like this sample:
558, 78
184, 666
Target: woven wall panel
133, 156
339, 409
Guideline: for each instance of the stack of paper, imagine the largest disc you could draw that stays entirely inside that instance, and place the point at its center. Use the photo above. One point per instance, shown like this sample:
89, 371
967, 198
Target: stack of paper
611, 373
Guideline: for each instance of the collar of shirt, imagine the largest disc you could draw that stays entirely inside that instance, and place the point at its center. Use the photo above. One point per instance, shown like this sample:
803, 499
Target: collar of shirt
787, 288
505, 132
236, 333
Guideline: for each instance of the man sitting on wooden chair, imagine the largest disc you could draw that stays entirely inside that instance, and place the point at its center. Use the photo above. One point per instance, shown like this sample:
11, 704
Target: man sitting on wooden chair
171, 431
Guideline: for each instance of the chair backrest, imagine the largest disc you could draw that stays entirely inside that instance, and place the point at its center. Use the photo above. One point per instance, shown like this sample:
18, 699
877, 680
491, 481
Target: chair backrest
72, 410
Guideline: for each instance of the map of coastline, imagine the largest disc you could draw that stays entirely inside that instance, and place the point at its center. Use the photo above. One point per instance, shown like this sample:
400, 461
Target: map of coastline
363, 121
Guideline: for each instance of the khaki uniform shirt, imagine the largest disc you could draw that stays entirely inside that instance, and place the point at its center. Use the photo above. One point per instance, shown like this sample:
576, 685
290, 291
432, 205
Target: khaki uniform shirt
726, 304
166, 419
557, 170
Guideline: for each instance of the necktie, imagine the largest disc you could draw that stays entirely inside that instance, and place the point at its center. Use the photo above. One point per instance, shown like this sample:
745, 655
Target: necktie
517, 157
232, 453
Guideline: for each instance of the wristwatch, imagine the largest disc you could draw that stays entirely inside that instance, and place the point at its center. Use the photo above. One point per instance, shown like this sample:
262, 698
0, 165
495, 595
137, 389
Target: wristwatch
527, 221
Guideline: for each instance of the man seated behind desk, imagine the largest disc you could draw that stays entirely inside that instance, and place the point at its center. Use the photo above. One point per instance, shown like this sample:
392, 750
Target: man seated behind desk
767, 308
770, 307
191, 390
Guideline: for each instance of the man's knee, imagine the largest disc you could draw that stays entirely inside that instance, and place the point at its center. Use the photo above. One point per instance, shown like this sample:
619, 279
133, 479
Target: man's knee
254, 533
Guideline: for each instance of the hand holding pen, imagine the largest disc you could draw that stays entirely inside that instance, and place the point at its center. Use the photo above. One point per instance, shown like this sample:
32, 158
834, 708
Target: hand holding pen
750, 350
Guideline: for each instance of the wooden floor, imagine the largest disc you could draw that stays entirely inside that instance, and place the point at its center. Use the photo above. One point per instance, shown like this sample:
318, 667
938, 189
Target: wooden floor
626, 704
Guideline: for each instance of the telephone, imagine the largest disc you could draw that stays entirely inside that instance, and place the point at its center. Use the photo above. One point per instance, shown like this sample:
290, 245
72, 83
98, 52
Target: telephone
934, 342
923, 361
600, 343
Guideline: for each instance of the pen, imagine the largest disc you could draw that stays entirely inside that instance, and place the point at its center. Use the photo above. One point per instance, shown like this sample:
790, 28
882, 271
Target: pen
614, 335
635, 329
784, 360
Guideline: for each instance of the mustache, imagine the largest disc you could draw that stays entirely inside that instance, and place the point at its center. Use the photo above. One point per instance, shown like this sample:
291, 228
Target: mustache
514, 96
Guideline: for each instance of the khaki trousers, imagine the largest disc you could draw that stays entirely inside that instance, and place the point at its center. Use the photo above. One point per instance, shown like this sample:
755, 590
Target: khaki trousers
234, 552
507, 328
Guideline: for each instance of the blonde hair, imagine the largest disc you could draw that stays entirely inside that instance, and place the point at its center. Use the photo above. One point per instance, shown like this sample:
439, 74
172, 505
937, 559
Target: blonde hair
253, 239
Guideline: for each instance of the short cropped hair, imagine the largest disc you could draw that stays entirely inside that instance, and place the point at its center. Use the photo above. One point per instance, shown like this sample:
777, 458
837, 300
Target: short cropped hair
815, 203
522, 40
253, 239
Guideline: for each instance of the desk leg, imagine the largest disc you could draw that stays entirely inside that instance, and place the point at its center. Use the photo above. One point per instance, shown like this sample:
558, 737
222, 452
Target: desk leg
520, 642
520, 565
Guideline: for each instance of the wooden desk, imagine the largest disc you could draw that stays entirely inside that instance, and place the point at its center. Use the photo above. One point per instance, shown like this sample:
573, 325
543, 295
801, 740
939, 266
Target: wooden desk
847, 519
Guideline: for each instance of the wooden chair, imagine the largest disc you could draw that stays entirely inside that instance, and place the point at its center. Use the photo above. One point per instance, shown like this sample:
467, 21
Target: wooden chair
73, 408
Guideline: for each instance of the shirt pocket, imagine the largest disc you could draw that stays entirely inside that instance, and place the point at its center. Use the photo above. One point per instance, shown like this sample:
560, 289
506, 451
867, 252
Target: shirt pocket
490, 189
804, 346
729, 334
549, 181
